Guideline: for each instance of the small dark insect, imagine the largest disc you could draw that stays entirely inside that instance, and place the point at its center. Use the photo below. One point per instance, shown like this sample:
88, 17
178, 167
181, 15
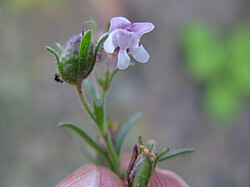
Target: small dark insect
57, 78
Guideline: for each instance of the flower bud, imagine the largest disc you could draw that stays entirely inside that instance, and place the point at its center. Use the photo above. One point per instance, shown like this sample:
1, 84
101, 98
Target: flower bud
69, 60
76, 60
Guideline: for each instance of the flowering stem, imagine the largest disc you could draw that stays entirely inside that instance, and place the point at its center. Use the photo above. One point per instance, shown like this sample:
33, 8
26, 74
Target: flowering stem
108, 142
105, 135
110, 146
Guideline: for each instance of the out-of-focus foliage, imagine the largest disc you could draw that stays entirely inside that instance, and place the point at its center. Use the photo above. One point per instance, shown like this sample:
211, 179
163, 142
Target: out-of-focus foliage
24, 5
221, 64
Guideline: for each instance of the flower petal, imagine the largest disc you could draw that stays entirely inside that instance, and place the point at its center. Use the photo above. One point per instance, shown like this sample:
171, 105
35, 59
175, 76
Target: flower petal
108, 45
141, 27
124, 39
118, 23
140, 54
123, 60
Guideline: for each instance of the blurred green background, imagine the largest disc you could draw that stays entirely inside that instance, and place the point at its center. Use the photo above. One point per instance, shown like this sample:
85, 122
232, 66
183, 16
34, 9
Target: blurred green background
194, 92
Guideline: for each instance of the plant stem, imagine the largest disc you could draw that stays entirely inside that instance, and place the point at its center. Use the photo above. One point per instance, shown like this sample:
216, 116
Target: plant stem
103, 93
114, 158
83, 101
113, 154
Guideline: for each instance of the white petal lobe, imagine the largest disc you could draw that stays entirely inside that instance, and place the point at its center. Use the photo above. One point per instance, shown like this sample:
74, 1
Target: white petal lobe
142, 27
108, 45
123, 60
140, 54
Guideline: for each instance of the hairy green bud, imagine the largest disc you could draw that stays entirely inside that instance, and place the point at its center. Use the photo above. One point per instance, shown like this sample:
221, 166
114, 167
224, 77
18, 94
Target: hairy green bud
69, 60
76, 60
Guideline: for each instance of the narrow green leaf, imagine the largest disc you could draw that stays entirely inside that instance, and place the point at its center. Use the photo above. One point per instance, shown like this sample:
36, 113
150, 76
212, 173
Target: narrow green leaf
162, 154
60, 48
59, 65
84, 49
54, 53
143, 173
85, 151
125, 126
83, 135
99, 113
88, 84
88, 139
179, 152
98, 45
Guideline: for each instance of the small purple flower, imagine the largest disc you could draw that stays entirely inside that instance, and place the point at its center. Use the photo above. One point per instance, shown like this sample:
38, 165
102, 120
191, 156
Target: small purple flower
125, 36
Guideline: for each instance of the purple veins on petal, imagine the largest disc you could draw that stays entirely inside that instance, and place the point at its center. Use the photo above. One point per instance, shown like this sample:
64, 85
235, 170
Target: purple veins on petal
118, 23
141, 28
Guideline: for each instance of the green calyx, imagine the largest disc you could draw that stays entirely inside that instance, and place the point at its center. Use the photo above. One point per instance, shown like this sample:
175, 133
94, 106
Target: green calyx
143, 173
76, 60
